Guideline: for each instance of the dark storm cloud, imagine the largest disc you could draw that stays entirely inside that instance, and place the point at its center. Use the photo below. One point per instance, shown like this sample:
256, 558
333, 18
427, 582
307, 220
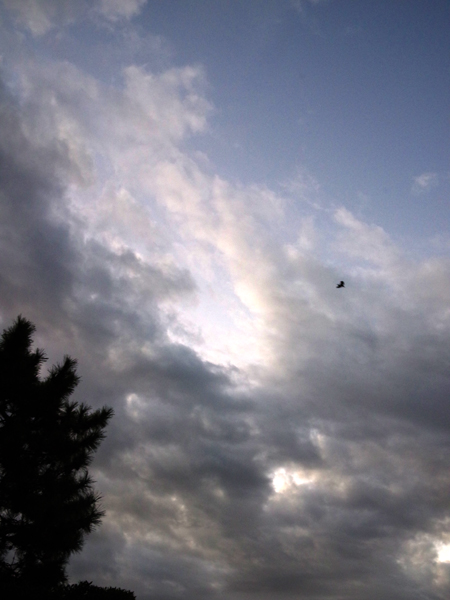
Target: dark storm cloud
37, 258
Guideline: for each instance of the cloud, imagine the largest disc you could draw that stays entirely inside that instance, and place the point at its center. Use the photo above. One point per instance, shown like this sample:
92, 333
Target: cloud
424, 182
41, 16
38, 17
117, 9
273, 436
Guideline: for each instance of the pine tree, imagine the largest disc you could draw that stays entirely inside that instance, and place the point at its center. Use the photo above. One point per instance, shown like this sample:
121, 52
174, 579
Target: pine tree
47, 441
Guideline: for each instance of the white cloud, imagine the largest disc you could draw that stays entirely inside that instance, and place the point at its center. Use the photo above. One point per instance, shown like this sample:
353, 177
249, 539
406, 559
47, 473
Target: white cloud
424, 182
41, 16
36, 15
366, 242
116, 9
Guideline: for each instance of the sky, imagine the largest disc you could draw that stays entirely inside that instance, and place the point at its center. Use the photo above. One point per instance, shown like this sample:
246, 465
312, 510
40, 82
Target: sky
182, 186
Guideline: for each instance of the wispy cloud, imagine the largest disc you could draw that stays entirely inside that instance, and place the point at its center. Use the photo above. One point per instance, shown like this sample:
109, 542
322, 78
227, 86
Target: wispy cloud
118, 9
424, 182
41, 16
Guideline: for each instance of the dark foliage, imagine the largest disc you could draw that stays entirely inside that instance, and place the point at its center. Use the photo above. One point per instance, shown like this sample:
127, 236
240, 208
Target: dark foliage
86, 591
47, 503
78, 591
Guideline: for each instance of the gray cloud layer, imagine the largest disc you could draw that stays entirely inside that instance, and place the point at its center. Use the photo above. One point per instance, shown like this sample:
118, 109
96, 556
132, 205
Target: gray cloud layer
319, 470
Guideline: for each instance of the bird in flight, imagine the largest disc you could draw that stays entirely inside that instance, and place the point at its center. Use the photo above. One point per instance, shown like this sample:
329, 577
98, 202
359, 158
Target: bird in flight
340, 284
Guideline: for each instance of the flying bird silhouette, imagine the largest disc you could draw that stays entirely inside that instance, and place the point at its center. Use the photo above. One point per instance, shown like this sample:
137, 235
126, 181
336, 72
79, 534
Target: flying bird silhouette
340, 284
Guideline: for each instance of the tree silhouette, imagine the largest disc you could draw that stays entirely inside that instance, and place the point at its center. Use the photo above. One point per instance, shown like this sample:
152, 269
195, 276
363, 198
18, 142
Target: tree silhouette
47, 503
